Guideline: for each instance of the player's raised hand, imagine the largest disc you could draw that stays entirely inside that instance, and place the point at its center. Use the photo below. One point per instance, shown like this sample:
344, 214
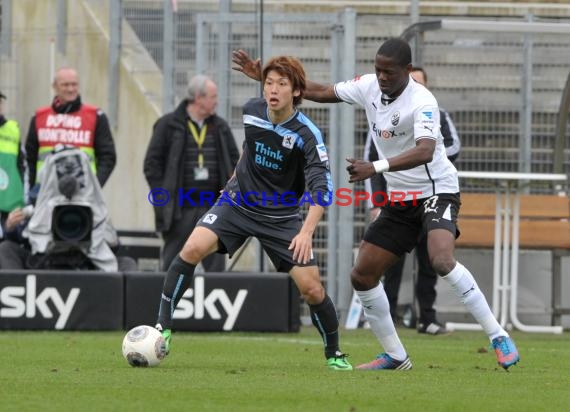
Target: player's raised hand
359, 170
245, 64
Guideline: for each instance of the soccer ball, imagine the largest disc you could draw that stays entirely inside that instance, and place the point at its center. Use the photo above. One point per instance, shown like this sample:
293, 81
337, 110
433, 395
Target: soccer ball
144, 346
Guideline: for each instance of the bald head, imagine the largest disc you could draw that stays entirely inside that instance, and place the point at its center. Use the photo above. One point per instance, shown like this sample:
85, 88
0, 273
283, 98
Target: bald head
66, 84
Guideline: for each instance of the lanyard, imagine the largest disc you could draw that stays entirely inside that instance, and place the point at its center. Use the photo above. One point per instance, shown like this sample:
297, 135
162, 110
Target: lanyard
199, 139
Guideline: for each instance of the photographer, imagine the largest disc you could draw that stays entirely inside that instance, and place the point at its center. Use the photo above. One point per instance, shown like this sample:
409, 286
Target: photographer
70, 226
15, 249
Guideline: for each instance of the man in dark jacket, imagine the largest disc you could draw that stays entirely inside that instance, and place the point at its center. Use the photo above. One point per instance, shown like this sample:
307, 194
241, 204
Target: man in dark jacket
193, 151
68, 121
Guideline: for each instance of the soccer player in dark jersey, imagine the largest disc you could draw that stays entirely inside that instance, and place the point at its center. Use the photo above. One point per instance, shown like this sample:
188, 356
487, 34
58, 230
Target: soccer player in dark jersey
404, 117
283, 154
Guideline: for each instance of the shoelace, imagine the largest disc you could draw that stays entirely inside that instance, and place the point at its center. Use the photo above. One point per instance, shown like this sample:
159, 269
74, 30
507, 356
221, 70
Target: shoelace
383, 357
505, 347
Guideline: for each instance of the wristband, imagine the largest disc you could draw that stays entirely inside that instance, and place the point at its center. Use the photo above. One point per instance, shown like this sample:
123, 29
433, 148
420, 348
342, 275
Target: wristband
381, 166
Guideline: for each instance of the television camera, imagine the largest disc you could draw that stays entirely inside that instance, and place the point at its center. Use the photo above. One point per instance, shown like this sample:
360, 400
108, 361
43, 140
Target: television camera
70, 227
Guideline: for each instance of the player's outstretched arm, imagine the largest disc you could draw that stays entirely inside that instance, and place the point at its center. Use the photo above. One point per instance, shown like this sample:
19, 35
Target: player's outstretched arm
322, 93
421, 154
317, 92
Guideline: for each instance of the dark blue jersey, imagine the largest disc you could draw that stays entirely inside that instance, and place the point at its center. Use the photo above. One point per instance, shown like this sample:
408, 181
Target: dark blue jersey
279, 162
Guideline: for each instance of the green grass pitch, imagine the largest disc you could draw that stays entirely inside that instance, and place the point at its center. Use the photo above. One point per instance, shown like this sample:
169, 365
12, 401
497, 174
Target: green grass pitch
82, 371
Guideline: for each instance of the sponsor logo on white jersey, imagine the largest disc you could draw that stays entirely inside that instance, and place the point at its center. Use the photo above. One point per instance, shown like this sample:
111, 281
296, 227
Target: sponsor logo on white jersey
428, 114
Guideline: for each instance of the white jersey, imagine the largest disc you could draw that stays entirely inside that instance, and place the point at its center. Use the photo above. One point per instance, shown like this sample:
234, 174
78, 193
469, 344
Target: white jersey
397, 126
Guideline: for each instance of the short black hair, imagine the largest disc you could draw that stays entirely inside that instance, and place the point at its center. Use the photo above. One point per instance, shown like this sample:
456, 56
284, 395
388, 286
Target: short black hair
398, 49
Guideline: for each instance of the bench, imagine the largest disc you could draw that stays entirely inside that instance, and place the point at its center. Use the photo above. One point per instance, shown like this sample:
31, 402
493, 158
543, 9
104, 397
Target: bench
544, 224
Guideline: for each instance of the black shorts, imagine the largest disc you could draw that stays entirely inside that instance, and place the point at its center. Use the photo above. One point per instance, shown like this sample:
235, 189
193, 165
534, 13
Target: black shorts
233, 225
398, 228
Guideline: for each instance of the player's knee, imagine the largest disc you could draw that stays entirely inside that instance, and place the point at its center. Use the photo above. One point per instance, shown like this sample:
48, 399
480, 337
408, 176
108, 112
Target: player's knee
313, 294
443, 264
193, 253
360, 281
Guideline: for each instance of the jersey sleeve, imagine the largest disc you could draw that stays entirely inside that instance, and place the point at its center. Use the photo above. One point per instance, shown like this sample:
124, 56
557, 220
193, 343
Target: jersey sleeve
426, 122
317, 169
353, 91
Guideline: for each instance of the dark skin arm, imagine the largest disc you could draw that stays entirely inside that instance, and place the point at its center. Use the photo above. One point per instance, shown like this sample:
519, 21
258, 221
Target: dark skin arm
316, 92
421, 154
323, 93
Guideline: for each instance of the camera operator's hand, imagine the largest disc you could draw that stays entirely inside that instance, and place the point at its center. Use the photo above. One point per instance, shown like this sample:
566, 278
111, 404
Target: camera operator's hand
15, 217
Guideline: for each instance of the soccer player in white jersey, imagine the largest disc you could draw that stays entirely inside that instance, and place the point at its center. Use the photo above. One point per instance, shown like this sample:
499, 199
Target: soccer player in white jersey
405, 119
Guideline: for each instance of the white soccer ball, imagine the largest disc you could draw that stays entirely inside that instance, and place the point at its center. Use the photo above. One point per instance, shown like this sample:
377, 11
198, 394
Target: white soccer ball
144, 346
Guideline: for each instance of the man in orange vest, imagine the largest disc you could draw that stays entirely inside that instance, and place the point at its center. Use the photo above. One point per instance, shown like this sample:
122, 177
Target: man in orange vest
70, 122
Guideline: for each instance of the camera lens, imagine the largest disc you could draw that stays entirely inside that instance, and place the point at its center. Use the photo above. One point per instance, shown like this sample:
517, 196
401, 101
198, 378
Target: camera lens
72, 223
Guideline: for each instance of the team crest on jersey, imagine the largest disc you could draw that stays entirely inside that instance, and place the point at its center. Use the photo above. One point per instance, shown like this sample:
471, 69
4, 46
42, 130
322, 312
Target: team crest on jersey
322, 150
288, 141
209, 218
395, 119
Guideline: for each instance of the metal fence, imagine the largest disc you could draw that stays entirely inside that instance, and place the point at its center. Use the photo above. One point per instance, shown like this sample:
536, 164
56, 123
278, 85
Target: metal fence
502, 89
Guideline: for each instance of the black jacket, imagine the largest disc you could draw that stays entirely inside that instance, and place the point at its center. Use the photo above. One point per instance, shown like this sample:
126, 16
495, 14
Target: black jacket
163, 163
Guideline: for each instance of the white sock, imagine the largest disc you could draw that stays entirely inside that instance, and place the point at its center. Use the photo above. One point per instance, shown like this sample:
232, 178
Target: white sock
468, 292
377, 312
